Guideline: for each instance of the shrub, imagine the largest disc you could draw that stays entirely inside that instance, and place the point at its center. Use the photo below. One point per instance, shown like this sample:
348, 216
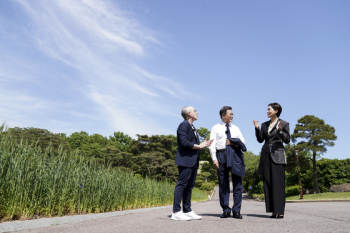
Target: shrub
207, 186
292, 191
260, 197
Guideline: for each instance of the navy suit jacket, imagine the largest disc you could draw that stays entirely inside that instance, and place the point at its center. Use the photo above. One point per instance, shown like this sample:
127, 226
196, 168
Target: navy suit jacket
236, 163
186, 156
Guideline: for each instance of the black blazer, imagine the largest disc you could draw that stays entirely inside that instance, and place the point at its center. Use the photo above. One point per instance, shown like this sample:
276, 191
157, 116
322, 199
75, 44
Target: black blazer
275, 139
186, 156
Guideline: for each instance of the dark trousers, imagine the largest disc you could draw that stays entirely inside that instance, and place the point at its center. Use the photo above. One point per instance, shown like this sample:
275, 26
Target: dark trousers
274, 188
224, 189
183, 189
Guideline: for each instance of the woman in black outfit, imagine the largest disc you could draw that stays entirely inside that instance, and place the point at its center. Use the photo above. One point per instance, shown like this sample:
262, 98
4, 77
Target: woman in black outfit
273, 159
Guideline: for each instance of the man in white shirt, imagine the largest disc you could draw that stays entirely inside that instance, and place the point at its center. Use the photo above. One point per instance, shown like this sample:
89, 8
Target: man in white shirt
225, 162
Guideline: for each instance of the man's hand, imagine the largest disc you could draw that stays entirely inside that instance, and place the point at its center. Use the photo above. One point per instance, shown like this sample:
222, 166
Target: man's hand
216, 164
228, 142
206, 143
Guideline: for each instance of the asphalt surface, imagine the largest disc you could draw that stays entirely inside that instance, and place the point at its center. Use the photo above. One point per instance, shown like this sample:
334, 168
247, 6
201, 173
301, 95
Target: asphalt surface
299, 217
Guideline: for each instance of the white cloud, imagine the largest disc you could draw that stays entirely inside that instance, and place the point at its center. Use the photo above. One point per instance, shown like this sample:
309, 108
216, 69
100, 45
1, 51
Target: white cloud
101, 44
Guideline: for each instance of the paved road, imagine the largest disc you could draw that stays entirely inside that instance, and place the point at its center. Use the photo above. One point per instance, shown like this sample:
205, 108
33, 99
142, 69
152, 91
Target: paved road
299, 217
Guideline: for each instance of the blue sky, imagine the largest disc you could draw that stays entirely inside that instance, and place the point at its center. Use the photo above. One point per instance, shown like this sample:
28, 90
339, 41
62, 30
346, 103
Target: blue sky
130, 66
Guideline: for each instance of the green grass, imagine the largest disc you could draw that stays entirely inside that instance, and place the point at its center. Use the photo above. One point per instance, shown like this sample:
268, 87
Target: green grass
45, 183
322, 196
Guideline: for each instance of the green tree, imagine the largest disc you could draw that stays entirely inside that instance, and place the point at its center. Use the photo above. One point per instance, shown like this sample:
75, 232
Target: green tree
122, 141
154, 156
89, 145
251, 177
203, 134
41, 137
317, 135
305, 159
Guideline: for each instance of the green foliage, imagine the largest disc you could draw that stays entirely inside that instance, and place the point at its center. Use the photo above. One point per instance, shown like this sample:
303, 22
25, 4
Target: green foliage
317, 136
204, 134
45, 182
259, 197
292, 191
207, 186
210, 171
251, 177
154, 156
41, 137
121, 141
333, 172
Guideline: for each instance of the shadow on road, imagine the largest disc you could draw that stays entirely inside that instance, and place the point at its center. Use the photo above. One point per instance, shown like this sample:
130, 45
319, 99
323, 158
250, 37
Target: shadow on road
257, 215
212, 215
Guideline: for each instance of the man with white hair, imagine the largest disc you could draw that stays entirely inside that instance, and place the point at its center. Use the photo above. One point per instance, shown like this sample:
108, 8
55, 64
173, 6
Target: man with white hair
187, 159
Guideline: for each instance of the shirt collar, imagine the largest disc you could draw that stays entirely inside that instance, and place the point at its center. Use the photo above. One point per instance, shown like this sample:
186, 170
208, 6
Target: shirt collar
223, 123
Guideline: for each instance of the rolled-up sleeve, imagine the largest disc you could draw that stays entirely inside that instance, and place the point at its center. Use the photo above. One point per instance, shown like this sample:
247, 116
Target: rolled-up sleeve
240, 136
182, 133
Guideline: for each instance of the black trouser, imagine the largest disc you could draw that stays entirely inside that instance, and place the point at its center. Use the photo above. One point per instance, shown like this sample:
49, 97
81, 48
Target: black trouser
275, 197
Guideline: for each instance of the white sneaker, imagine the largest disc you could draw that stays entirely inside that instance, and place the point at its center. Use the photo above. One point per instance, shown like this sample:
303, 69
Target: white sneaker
193, 215
180, 216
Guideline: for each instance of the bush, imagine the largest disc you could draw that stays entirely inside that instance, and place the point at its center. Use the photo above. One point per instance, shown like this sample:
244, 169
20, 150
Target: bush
260, 197
207, 186
260, 188
292, 191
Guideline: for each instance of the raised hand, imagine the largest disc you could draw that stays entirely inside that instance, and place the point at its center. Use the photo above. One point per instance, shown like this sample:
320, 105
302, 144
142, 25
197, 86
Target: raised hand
279, 125
206, 143
256, 124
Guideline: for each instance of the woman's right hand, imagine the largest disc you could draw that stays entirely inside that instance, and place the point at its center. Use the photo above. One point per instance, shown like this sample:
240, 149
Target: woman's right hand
256, 124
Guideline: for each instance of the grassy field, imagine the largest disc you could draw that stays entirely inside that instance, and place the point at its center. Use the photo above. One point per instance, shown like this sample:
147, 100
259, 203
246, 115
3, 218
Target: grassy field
322, 196
41, 182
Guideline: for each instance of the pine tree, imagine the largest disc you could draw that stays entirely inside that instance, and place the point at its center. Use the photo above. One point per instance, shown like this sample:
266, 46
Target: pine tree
317, 136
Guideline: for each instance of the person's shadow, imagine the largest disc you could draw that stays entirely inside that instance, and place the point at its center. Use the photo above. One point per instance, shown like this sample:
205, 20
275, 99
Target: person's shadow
211, 215
257, 215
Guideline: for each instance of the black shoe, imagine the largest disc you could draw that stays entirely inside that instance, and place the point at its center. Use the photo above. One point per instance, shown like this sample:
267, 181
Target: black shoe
273, 216
236, 215
225, 215
279, 216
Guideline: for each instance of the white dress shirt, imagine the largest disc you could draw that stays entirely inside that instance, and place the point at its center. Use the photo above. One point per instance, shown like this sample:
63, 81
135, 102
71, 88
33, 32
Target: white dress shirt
218, 133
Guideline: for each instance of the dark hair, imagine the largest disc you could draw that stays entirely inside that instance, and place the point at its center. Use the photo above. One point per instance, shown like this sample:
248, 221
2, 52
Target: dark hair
223, 110
275, 107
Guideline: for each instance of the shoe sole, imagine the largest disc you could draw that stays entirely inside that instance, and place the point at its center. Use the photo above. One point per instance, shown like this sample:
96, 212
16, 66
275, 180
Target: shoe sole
179, 219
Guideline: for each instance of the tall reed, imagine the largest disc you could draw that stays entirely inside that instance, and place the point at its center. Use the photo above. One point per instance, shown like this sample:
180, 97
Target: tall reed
34, 181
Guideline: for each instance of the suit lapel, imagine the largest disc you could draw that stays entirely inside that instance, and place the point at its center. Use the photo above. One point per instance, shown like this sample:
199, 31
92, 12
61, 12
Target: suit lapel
196, 138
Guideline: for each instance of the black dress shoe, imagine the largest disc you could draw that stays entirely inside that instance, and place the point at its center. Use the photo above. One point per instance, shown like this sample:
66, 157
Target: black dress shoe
225, 215
279, 216
273, 216
236, 215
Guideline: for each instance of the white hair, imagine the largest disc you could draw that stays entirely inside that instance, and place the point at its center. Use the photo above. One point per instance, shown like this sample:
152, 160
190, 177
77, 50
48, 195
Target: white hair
185, 111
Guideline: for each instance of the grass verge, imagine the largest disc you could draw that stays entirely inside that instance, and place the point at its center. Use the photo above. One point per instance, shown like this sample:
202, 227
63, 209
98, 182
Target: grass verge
322, 196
